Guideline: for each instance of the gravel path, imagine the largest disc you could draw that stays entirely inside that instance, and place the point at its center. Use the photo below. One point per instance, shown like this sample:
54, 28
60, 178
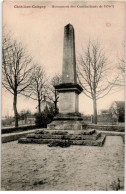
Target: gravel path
39, 167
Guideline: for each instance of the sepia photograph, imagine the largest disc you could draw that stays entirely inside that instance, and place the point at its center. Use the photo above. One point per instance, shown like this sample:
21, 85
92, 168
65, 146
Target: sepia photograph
63, 96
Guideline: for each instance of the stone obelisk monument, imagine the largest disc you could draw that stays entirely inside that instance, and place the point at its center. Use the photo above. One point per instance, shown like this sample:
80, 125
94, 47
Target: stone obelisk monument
68, 117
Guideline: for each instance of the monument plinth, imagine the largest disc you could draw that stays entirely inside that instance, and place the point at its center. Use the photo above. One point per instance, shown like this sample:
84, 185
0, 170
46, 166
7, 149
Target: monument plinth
69, 89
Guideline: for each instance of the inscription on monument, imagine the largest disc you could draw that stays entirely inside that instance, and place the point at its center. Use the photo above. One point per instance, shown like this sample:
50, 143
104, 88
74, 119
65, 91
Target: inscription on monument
69, 105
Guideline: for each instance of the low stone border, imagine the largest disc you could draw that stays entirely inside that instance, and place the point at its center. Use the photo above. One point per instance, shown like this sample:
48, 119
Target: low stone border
116, 128
15, 136
19, 129
112, 133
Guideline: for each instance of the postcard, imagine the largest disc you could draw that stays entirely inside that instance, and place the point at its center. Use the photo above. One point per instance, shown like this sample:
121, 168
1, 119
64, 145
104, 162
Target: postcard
63, 105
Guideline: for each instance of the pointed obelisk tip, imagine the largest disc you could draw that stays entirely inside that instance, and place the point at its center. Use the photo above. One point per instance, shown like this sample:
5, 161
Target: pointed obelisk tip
69, 58
68, 26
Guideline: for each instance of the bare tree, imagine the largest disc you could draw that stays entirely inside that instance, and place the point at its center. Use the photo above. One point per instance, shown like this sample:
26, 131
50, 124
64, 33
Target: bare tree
37, 88
92, 73
119, 81
121, 68
52, 93
16, 70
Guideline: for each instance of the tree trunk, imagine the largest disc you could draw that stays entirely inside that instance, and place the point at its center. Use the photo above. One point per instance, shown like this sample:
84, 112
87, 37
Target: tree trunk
15, 109
95, 111
55, 102
39, 106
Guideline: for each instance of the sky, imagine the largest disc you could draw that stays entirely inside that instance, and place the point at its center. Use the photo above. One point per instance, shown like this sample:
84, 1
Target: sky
41, 31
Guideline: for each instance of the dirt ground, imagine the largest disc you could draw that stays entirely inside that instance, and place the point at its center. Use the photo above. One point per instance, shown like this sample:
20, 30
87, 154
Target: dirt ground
39, 167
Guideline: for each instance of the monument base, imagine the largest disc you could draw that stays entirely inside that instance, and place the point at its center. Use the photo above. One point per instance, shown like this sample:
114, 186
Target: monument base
69, 116
69, 121
65, 125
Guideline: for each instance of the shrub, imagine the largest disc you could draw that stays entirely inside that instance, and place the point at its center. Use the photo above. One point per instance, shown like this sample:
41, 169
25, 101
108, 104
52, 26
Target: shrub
7, 121
61, 144
44, 118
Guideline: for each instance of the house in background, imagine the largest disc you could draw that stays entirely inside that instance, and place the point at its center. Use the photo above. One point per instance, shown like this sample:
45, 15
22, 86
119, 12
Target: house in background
45, 104
104, 116
117, 110
103, 112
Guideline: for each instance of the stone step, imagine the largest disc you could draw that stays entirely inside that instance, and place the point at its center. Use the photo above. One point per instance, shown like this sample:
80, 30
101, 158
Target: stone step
87, 132
98, 142
65, 137
53, 132
64, 132
84, 126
